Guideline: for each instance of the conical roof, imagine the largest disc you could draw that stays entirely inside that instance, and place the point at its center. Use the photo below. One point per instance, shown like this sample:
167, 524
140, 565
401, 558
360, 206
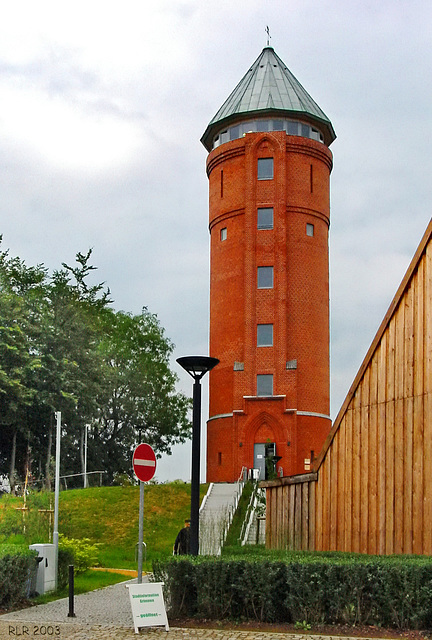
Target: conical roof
268, 88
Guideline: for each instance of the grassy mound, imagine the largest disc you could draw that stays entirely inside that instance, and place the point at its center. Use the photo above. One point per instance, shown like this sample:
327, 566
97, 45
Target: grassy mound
107, 515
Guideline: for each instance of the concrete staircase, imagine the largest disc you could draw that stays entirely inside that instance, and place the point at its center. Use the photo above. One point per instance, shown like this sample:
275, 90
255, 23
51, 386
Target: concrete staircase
253, 528
216, 513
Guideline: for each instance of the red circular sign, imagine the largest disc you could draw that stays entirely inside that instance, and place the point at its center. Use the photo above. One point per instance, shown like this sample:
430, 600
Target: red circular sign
144, 462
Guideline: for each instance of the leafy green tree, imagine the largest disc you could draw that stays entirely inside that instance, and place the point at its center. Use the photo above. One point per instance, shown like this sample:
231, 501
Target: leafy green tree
140, 403
63, 348
20, 287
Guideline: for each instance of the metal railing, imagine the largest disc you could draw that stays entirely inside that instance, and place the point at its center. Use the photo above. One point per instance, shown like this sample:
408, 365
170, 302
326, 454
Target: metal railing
250, 510
73, 475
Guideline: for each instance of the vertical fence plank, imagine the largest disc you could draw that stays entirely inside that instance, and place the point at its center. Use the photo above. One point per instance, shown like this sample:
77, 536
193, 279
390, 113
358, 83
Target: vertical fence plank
371, 542
340, 489
364, 462
399, 430
356, 500
312, 514
427, 420
305, 515
418, 424
381, 444
332, 489
347, 424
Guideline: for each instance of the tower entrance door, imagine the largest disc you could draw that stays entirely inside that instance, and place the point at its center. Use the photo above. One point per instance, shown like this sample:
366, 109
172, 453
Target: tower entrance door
264, 452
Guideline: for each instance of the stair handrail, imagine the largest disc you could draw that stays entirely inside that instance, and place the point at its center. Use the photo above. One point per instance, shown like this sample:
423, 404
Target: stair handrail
209, 490
250, 513
239, 486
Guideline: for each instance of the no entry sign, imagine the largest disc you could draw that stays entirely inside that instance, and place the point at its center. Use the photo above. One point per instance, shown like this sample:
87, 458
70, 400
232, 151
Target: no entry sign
144, 462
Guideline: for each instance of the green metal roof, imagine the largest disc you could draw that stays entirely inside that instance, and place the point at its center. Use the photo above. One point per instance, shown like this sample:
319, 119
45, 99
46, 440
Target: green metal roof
268, 88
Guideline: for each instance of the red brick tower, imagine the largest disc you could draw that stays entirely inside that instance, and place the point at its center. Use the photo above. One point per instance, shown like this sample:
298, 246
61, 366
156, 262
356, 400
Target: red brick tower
269, 172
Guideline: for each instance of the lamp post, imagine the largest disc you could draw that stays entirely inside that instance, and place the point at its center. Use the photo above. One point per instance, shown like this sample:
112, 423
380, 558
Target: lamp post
197, 367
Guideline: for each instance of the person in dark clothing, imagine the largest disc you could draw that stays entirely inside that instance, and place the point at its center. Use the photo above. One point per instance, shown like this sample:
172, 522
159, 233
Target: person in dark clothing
182, 542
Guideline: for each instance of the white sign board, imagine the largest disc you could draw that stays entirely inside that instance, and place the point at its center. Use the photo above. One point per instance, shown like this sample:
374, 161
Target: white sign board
148, 606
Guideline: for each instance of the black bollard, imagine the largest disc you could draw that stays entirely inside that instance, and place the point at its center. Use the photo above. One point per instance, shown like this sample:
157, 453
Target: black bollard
71, 613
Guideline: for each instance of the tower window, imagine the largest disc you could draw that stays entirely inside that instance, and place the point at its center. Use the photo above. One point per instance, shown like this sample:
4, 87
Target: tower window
292, 128
264, 384
265, 218
265, 278
223, 234
264, 335
310, 230
265, 168
235, 132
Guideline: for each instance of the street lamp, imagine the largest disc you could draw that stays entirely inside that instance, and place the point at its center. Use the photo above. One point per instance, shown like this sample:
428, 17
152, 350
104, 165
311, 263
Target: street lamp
197, 367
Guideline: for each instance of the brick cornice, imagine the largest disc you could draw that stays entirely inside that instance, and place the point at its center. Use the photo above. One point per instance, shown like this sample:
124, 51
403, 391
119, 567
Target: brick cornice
216, 158
225, 216
310, 148
310, 212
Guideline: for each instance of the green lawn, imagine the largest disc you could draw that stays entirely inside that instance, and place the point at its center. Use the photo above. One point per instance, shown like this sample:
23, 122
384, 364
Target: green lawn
108, 516
88, 581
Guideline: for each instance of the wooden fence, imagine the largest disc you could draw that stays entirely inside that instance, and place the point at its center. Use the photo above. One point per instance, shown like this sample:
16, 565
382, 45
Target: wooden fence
290, 516
372, 487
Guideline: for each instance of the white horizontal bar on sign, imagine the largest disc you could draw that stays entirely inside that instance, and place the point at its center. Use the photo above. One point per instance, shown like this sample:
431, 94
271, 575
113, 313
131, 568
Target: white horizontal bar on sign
144, 463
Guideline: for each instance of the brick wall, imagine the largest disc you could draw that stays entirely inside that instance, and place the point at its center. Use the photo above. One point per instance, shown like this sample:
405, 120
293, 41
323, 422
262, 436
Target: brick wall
297, 305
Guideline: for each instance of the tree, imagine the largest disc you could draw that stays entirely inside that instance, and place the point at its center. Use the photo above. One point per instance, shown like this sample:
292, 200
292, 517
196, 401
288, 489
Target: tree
63, 348
140, 403
20, 287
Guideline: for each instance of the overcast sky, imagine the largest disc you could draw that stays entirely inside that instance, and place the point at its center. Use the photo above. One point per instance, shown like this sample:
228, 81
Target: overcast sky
102, 106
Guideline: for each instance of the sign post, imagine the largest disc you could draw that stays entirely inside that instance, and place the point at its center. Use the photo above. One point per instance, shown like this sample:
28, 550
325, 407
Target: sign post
144, 466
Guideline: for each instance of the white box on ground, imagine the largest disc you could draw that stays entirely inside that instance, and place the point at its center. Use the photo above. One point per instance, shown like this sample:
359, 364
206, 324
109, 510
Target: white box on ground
45, 579
148, 606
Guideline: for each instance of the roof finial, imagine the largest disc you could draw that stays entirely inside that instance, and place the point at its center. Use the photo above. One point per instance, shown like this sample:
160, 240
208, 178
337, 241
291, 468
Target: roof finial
267, 30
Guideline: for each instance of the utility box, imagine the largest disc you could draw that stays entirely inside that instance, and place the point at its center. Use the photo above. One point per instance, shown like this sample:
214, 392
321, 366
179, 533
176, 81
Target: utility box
46, 578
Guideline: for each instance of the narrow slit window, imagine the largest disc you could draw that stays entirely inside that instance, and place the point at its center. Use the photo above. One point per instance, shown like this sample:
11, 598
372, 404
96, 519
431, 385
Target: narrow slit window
223, 234
310, 230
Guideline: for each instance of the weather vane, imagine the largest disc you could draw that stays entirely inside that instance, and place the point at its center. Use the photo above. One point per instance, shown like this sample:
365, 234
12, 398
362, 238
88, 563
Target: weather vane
267, 30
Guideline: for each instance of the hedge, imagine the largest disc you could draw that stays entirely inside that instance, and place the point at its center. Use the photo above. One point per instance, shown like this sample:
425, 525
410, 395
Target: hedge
18, 567
392, 592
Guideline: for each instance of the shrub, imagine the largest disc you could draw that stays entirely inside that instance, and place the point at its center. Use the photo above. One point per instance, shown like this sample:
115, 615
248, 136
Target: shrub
83, 552
311, 588
18, 567
65, 558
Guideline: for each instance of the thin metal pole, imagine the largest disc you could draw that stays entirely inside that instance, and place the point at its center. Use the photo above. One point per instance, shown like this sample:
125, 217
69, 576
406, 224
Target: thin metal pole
56, 496
141, 532
85, 456
195, 480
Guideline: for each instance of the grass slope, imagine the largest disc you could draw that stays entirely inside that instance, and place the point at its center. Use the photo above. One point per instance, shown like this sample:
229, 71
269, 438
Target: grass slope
109, 516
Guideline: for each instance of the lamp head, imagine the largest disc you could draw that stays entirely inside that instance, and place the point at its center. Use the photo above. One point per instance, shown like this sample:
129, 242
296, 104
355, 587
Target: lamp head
197, 366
